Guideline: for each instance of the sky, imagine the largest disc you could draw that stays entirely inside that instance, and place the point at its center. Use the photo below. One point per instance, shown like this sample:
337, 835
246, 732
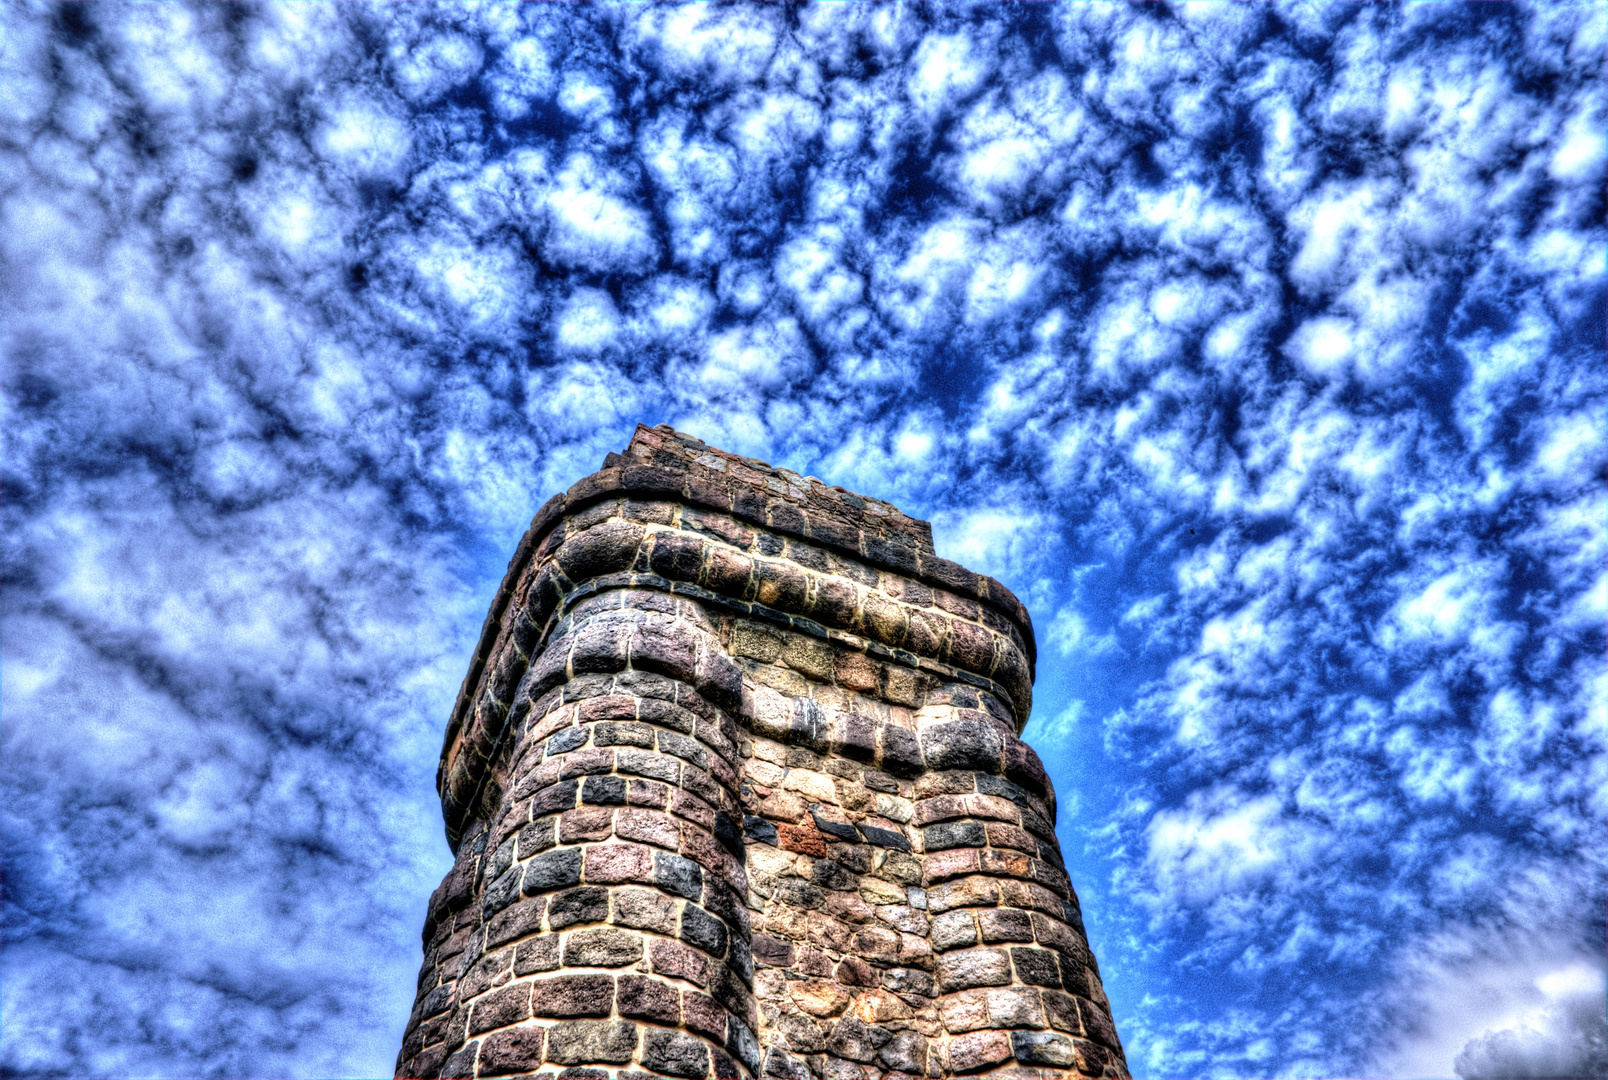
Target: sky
1258, 348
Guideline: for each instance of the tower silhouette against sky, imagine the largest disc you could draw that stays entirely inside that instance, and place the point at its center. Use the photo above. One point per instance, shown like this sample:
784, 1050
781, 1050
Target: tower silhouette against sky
736, 790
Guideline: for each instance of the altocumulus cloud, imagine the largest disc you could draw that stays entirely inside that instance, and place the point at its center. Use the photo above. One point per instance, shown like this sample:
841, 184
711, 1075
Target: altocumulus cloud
1259, 348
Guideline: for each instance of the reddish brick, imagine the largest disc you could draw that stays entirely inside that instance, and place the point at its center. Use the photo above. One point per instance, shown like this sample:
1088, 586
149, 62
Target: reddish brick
943, 865
979, 1050
678, 961
586, 823
612, 864
705, 1016
648, 826
804, 839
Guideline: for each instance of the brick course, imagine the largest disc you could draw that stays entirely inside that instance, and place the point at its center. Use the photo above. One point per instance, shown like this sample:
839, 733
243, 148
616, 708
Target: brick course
736, 789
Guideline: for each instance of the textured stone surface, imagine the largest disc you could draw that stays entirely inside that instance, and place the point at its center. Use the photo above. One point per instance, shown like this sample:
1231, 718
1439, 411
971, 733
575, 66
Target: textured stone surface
736, 790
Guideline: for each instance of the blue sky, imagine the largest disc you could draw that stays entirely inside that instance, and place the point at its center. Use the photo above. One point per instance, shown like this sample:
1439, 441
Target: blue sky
1258, 348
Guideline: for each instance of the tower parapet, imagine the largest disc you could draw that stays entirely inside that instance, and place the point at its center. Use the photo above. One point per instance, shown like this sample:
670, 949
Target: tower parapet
736, 789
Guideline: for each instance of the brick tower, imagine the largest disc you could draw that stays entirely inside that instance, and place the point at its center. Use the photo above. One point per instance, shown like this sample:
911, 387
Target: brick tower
736, 791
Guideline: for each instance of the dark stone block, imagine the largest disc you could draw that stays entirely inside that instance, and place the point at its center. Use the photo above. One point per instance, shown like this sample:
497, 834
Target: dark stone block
569, 739
840, 829
665, 650
554, 798
858, 739
553, 870
501, 893
675, 1053
1023, 766
684, 748
678, 556
742, 1045
759, 830
603, 791
954, 834
518, 921
773, 952
886, 838
829, 875
964, 744
677, 875
462, 1063
1097, 1022
652, 479
500, 1008
702, 929
895, 553
600, 647
785, 1067
901, 752
505, 1053
587, 904
720, 681
729, 835
1037, 967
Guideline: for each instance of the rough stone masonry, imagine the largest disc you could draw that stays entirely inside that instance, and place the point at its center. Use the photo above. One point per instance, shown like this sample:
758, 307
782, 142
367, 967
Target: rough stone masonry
736, 791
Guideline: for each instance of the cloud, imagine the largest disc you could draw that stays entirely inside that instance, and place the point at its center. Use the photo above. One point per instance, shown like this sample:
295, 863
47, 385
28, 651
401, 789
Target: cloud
1258, 350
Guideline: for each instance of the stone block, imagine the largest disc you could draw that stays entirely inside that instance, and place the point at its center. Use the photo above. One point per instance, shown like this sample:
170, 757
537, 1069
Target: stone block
591, 1042
602, 947
906, 1052
648, 826
853, 1039
499, 1008
586, 823
1005, 924
1037, 967
1097, 1022
516, 921
675, 1053
1044, 1048
572, 995
953, 930
614, 864
552, 870
979, 1050
603, 791
973, 967
1013, 1007
678, 961
963, 744
516, 1050
702, 929
705, 1016
582, 905
965, 892
615, 733
642, 998
537, 955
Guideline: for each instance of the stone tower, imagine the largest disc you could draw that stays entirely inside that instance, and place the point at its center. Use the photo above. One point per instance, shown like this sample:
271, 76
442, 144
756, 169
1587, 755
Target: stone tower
736, 791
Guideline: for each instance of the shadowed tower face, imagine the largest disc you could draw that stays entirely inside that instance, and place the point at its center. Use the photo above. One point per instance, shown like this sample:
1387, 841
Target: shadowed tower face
736, 791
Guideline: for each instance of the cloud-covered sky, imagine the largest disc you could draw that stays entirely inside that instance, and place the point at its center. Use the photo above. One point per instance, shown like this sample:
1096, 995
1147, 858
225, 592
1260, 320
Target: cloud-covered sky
1258, 348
